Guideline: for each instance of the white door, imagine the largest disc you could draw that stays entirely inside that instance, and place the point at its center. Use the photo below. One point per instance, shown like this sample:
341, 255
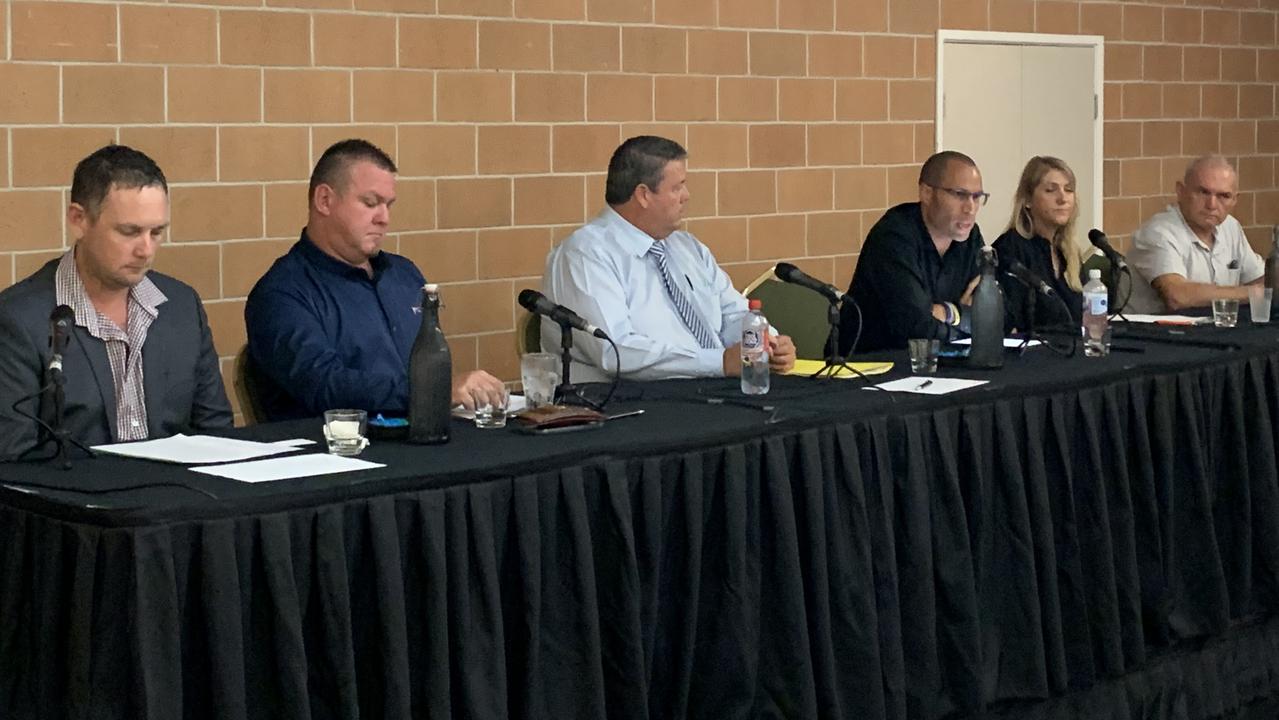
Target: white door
1006, 97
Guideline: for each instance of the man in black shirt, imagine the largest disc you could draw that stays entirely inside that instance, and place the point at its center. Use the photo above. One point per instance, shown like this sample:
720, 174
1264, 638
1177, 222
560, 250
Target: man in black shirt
920, 262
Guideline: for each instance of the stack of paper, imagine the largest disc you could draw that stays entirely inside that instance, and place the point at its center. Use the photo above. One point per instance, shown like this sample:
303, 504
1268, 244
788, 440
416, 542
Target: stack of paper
808, 367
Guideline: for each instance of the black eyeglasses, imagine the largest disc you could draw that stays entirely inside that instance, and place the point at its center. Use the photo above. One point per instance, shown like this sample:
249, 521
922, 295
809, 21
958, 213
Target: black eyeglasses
978, 197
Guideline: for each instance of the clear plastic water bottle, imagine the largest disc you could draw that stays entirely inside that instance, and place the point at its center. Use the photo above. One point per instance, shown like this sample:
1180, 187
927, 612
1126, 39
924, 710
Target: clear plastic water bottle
1096, 325
755, 351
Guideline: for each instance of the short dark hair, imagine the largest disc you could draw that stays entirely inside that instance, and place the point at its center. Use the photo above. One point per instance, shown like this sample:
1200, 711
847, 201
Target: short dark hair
113, 166
331, 168
639, 161
934, 169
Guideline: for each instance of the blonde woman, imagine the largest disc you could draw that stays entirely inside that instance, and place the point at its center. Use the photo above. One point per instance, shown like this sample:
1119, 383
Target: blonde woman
1040, 235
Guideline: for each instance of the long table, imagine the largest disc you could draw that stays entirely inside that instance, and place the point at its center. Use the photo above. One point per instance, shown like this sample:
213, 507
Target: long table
1076, 538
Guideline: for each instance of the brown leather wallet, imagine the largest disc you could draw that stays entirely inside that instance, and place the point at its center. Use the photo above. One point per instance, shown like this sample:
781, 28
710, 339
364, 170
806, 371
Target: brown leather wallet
546, 417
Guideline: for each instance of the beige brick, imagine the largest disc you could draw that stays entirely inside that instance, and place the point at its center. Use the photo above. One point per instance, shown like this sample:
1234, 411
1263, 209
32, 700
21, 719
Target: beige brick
414, 205
903, 184
263, 153
435, 150
804, 190
775, 237
226, 323
1239, 64
590, 48
1268, 136
889, 56
834, 55
742, 274
470, 308
653, 50
747, 192
549, 97
1057, 17
911, 100
1161, 62
402, 6
1142, 101
726, 237
671, 130
1140, 177
30, 94
345, 40
216, 212
861, 15
861, 99
442, 256
748, 14
4, 163
395, 95
1110, 176
1198, 138
498, 356
244, 263
307, 96
286, 209
547, 200
1122, 215
833, 233
303, 4
474, 96
619, 97
888, 144
1258, 28
1256, 101
583, 148
26, 264
925, 58
684, 13
1268, 60
63, 31
465, 351
47, 156
186, 154
964, 14
913, 16
747, 98
1181, 100
515, 45
1122, 139
703, 190
806, 99
1160, 138
491, 8
210, 94
251, 37
514, 149
1220, 100
806, 15
1220, 27
438, 43
474, 203
1201, 63
1143, 23
1123, 62
1105, 19
168, 34
834, 144
684, 97
718, 52
1012, 15
861, 188
718, 146
1183, 25
1238, 137
550, 9
925, 141
31, 219
197, 265
513, 252
322, 136
778, 54
619, 11
777, 145
103, 94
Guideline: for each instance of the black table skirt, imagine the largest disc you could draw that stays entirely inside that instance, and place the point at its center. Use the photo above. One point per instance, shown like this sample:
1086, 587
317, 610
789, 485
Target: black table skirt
1103, 551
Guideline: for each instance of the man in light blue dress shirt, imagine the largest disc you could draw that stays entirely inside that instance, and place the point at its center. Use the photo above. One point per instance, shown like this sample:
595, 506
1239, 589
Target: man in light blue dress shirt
655, 289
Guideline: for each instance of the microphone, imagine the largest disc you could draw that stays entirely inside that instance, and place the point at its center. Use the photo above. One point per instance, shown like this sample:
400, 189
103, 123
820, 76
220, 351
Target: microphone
1029, 278
60, 323
1099, 241
789, 273
536, 302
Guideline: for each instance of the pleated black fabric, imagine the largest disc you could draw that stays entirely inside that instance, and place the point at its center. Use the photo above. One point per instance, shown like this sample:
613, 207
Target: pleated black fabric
1108, 550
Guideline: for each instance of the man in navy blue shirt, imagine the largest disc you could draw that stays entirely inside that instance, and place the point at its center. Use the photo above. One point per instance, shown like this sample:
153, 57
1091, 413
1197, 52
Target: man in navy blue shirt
332, 323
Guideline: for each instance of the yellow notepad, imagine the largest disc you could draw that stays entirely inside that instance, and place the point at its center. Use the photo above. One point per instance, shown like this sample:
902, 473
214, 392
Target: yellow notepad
808, 367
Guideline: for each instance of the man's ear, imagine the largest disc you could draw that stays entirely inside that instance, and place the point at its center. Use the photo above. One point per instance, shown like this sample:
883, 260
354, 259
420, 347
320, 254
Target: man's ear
77, 220
324, 198
642, 195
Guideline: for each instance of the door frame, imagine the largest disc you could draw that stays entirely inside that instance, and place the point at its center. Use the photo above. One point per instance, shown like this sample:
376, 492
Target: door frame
985, 37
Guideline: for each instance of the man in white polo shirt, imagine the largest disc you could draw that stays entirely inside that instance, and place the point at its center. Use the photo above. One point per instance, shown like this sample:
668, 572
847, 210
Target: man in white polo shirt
1194, 251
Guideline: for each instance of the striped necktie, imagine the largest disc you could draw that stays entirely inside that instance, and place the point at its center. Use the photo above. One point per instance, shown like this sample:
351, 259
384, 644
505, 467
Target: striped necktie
682, 306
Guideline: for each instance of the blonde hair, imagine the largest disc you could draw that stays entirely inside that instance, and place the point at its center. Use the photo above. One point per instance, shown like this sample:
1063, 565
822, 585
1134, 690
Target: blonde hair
1021, 221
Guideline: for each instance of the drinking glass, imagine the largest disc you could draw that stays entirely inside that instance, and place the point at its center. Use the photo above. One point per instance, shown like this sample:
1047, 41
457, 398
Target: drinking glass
540, 373
923, 355
345, 430
1225, 312
1259, 303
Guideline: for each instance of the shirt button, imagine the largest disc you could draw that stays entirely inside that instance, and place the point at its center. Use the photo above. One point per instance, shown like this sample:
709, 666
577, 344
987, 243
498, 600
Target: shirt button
134, 423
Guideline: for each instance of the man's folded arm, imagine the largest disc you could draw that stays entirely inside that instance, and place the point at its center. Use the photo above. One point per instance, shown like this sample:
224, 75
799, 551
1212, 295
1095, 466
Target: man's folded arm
20, 377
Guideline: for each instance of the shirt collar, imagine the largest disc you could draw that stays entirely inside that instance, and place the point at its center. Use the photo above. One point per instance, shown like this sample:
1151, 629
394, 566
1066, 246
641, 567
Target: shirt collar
1177, 209
632, 239
69, 290
327, 263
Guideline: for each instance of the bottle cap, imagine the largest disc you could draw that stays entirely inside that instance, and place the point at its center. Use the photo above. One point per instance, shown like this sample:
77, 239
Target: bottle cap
756, 304
431, 288
1094, 274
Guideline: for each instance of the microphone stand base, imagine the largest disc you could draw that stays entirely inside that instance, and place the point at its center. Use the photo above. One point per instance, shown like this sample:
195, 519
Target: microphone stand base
567, 394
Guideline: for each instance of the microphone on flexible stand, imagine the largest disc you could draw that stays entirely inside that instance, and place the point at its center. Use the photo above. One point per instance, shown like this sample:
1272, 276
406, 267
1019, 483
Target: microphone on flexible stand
538, 304
787, 272
1029, 278
834, 361
1117, 265
1099, 241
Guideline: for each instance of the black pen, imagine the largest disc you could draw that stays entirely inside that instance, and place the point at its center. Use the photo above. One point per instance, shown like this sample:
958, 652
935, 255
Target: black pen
923, 385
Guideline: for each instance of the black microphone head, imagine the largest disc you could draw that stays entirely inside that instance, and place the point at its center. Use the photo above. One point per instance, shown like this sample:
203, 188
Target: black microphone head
62, 315
1095, 236
528, 299
785, 271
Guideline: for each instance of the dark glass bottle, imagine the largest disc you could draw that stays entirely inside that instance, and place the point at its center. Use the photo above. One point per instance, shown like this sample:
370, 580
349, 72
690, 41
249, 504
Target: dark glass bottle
430, 376
987, 317
1272, 262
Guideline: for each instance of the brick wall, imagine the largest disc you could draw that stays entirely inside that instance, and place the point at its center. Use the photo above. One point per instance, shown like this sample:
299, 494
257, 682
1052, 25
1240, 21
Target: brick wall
805, 119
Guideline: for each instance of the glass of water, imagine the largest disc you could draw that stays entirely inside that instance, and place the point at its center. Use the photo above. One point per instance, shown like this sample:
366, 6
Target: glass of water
1259, 299
1225, 312
923, 355
540, 374
345, 431
491, 415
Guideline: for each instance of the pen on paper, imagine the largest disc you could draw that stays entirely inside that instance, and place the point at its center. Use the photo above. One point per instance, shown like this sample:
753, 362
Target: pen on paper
923, 385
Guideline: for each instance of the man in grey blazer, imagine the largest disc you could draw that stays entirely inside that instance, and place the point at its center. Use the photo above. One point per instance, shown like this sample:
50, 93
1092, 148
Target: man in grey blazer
140, 361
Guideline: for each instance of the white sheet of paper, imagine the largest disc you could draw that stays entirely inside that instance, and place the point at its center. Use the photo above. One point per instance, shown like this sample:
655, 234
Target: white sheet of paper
514, 405
1008, 342
930, 386
294, 442
1166, 319
192, 449
294, 466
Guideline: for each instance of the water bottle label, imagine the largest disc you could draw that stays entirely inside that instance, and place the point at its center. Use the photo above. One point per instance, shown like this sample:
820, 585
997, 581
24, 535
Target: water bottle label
1098, 304
751, 339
